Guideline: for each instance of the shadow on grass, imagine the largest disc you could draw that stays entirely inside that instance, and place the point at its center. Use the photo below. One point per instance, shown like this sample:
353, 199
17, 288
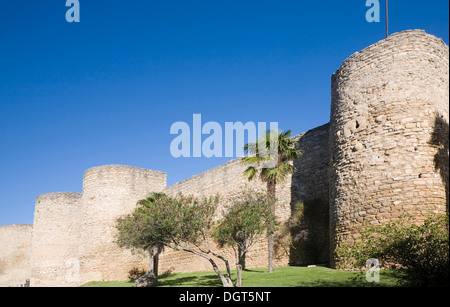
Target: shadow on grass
190, 281
254, 271
358, 280
260, 278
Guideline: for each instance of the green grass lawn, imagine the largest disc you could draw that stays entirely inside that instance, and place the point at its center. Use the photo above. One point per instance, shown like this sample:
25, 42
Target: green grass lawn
281, 277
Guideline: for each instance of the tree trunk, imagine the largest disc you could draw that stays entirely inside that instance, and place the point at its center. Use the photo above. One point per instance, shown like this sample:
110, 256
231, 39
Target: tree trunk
270, 252
271, 189
154, 261
157, 251
241, 259
240, 263
151, 264
239, 275
226, 281
151, 278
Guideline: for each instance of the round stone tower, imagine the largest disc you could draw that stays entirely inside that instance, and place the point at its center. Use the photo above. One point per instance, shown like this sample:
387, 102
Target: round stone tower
54, 248
108, 193
389, 134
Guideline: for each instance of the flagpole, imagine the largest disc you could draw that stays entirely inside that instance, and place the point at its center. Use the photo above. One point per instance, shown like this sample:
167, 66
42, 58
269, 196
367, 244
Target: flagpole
387, 18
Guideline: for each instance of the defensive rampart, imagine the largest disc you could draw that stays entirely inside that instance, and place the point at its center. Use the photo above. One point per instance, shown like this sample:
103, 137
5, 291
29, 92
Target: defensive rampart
309, 185
384, 153
15, 254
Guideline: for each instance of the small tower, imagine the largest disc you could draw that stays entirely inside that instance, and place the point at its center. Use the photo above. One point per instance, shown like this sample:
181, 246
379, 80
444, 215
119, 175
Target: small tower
54, 247
110, 192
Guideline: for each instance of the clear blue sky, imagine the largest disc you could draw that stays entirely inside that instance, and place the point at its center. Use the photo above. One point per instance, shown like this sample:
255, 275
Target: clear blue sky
107, 90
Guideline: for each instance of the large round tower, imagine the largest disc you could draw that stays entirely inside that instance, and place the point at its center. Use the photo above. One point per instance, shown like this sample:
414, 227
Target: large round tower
389, 133
108, 193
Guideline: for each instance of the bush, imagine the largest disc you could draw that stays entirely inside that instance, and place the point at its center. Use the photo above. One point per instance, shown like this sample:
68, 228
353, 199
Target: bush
135, 273
419, 253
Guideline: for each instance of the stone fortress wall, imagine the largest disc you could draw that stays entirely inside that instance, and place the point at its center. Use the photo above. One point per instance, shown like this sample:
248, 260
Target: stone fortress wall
227, 180
384, 153
15, 254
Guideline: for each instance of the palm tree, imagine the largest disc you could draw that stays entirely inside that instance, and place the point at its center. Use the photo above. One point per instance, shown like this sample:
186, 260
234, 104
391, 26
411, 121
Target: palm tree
262, 151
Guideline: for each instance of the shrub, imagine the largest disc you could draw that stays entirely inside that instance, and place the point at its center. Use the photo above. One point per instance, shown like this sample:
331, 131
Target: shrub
419, 253
135, 273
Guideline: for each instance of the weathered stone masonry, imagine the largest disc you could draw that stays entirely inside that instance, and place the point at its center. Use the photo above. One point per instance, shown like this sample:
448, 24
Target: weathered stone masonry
386, 101
56, 236
15, 252
384, 153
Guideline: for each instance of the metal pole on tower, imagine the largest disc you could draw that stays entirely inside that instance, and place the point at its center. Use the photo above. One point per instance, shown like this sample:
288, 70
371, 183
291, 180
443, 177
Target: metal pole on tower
387, 18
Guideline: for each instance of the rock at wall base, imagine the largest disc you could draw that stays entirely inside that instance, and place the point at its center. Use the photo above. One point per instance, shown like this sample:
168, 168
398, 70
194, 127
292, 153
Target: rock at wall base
146, 281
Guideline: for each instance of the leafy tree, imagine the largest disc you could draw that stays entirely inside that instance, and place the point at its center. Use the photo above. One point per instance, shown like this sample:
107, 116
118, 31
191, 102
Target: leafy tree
132, 233
180, 223
261, 152
247, 218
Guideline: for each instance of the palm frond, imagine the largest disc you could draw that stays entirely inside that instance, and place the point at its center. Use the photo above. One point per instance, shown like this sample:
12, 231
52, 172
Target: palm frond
269, 174
250, 173
286, 169
251, 159
261, 152
291, 154
251, 148
286, 134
